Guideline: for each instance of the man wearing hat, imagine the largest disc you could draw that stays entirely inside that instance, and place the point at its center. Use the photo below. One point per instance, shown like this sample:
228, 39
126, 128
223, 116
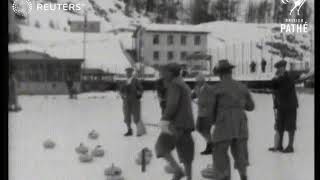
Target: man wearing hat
285, 104
131, 93
231, 100
203, 92
13, 98
161, 89
176, 124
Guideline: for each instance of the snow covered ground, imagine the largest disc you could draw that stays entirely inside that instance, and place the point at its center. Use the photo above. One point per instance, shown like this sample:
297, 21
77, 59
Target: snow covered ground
68, 123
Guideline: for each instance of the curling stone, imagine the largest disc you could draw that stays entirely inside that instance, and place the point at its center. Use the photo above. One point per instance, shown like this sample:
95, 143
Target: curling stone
93, 134
97, 151
147, 156
208, 172
49, 144
168, 169
113, 170
85, 158
113, 173
82, 149
115, 177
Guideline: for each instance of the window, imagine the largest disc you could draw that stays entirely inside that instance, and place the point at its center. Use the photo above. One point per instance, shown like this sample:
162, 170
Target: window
170, 40
197, 40
183, 40
156, 39
156, 55
170, 55
183, 55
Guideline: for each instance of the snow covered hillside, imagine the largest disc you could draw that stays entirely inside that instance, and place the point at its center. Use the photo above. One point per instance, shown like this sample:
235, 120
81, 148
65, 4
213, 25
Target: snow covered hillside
102, 49
243, 42
109, 12
50, 32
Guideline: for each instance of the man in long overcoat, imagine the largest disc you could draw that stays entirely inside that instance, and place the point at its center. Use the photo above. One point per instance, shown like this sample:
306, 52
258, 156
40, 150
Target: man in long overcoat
231, 100
286, 104
131, 93
176, 124
203, 91
160, 86
13, 104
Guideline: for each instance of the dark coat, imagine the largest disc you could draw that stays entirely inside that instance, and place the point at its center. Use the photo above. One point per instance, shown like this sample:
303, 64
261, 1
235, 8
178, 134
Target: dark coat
161, 92
178, 108
204, 96
131, 92
231, 100
285, 92
12, 90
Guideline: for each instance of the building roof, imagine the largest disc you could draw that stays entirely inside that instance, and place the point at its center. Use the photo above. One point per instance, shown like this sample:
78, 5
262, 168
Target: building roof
90, 17
17, 47
102, 49
41, 53
174, 28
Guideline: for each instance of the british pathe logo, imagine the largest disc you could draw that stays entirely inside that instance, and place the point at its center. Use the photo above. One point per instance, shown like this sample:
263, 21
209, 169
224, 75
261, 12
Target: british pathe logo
22, 7
297, 4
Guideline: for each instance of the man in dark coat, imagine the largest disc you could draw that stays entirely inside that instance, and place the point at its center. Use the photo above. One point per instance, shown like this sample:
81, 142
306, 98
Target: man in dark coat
230, 129
71, 89
286, 104
176, 124
253, 67
203, 92
263, 65
131, 93
161, 89
13, 98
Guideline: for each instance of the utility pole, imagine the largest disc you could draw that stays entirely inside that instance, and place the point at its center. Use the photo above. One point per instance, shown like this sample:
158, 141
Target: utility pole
84, 37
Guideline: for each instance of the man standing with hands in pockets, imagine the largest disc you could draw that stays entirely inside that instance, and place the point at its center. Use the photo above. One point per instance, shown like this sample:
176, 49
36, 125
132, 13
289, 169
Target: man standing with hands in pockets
232, 99
131, 93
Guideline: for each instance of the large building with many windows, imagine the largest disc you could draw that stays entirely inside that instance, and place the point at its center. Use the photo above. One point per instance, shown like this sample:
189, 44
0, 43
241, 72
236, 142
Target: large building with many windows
159, 44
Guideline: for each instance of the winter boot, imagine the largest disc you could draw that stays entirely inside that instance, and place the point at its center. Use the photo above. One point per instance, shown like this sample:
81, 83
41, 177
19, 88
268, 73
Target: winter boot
275, 149
288, 149
128, 133
178, 174
243, 177
208, 150
141, 129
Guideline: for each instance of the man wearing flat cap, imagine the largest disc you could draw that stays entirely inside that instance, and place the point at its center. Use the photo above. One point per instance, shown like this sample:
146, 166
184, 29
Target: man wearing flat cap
203, 93
230, 129
285, 105
131, 93
176, 124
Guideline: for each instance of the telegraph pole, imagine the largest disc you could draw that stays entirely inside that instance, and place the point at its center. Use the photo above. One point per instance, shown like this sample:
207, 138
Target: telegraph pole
84, 36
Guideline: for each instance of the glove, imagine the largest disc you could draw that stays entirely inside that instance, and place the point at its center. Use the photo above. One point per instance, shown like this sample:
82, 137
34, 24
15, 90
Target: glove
212, 129
139, 94
164, 126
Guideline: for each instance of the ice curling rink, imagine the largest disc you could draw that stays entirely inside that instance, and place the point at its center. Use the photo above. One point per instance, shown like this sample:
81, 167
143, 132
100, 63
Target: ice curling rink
68, 122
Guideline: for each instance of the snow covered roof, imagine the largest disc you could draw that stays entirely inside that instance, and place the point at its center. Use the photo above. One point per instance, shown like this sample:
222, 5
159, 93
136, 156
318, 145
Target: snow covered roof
90, 17
17, 47
102, 49
174, 28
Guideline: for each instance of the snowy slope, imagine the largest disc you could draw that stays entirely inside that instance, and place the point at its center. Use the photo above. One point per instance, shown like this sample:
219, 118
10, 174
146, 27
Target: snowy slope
114, 17
102, 49
226, 40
